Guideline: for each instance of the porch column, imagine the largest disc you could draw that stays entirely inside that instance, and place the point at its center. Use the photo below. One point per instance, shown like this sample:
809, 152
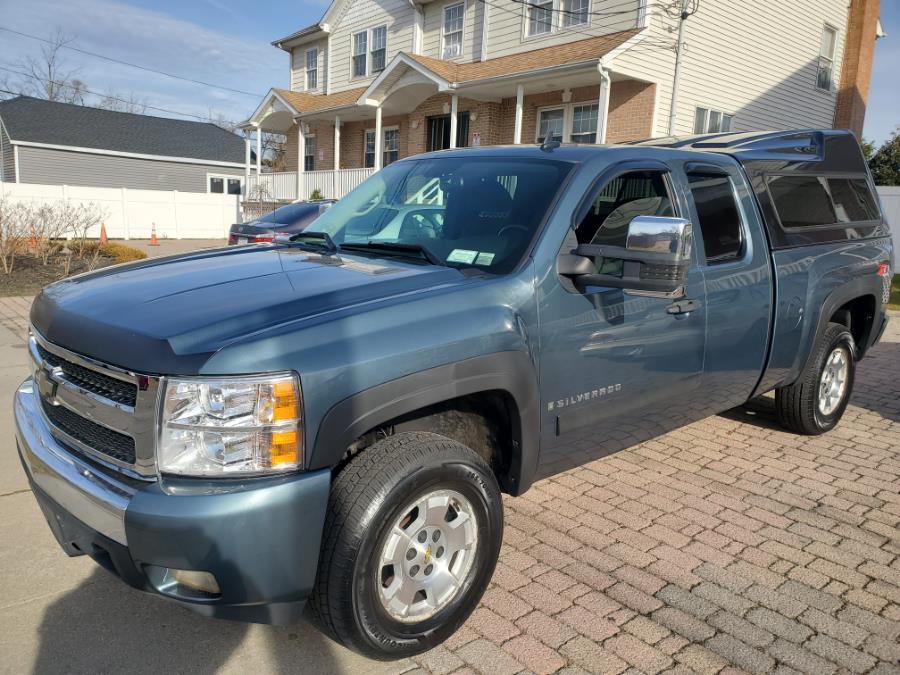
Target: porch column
246, 163
520, 105
454, 107
258, 150
337, 143
603, 103
378, 138
301, 159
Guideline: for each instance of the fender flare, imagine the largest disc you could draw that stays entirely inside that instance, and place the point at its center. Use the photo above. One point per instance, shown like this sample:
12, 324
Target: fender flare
511, 372
859, 287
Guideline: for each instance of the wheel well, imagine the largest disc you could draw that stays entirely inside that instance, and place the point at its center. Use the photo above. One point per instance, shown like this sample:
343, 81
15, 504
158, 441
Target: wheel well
858, 315
487, 422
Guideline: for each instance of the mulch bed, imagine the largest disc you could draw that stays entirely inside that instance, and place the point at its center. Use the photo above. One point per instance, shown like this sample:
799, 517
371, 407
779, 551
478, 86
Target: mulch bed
30, 275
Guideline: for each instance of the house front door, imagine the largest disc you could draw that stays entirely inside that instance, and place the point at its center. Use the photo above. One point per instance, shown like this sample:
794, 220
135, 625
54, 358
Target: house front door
439, 132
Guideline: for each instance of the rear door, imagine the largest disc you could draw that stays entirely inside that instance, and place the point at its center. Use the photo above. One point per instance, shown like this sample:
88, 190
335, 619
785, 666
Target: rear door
736, 267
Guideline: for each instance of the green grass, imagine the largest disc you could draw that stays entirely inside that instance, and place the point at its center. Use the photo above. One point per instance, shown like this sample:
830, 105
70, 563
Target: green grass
894, 302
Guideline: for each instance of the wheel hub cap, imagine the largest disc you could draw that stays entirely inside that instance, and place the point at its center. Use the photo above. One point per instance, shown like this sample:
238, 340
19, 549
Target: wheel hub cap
833, 382
427, 556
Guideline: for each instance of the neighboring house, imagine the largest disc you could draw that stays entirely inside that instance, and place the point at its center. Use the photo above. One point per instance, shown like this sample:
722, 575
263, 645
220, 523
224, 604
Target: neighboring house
377, 80
62, 144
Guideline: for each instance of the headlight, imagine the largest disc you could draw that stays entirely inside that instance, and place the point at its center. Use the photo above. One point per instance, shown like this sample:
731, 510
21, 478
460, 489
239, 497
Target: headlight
233, 426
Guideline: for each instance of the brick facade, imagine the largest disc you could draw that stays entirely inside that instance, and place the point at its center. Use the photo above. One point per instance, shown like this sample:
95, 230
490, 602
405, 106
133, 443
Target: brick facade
630, 117
856, 68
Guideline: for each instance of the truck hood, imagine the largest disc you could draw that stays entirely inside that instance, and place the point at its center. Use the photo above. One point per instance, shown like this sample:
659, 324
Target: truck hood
169, 314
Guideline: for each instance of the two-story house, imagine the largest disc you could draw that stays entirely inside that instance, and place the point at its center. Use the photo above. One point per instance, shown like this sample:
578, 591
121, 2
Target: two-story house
377, 80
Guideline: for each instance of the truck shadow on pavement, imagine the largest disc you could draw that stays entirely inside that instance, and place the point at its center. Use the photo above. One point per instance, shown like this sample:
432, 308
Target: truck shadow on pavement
106, 626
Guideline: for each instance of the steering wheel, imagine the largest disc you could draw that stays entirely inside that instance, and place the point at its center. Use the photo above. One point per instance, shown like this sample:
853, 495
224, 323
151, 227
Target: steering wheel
512, 227
369, 206
423, 221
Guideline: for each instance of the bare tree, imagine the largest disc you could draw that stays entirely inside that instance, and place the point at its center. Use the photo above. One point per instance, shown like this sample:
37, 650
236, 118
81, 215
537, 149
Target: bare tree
49, 77
130, 103
221, 121
273, 155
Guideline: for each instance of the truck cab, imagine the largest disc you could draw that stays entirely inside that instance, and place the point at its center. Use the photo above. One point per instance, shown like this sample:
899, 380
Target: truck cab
460, 325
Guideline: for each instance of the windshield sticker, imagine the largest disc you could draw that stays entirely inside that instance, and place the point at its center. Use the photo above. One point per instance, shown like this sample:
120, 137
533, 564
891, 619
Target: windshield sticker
461, 255
484, 259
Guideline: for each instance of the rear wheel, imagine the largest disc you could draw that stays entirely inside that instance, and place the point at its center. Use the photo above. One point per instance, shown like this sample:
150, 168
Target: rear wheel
412, 536
816, 401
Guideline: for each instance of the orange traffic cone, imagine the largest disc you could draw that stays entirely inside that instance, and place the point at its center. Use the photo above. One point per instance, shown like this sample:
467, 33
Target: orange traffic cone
153, 241
103, 237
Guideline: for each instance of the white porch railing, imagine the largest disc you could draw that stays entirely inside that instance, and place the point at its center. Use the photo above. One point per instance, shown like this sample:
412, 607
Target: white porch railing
282, 185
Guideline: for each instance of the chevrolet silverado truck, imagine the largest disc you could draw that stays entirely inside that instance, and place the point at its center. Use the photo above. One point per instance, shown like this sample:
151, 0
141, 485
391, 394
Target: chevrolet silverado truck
327, 422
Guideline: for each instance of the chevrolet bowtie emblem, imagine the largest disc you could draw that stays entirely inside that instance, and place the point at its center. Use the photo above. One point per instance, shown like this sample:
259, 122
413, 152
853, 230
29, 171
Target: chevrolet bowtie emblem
46, 386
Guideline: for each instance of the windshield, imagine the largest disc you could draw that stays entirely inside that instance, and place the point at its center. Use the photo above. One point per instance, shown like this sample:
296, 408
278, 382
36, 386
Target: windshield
476, 212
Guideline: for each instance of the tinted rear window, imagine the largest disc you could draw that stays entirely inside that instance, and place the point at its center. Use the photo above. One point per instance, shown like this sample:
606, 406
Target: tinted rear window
809, 201
290, 214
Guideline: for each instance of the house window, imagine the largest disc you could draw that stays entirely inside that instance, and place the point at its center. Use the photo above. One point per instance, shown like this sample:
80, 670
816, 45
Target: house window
539, 14
453, 30
825, 75
220, 185
379, 48
360, 48
312, 68
309, 153
574, 12
584, 123
391, 146
369, 154
550, 124
708, 121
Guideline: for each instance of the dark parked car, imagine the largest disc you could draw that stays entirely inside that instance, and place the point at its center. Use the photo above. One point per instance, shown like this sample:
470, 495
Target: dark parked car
289, 219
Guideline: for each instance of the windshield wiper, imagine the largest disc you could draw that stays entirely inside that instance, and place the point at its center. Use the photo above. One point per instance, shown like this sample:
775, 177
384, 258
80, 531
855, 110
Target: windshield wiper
316, 241
396, 247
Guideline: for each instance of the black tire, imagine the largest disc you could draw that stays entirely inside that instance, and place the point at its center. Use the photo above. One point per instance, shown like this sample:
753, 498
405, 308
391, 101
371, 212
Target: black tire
797, 405
367, 497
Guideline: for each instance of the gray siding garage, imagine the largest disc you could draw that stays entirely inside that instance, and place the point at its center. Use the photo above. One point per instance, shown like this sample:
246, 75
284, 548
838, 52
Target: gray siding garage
51, 143
61, 167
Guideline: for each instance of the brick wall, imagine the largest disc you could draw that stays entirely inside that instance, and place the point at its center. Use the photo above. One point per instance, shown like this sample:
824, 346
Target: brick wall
856, 68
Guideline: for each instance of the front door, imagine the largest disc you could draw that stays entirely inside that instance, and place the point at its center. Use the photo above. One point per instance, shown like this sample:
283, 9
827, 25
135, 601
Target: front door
617, 367
439, 132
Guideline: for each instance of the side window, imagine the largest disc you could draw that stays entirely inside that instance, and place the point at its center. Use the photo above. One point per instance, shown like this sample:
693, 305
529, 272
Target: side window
811, 201
632, 194
719, 216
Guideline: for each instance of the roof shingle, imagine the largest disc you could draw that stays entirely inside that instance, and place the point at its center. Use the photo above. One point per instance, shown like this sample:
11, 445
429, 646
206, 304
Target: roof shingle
36, 120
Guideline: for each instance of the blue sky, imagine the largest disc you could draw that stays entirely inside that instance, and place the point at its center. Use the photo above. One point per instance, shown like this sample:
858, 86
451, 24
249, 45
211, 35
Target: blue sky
227, 42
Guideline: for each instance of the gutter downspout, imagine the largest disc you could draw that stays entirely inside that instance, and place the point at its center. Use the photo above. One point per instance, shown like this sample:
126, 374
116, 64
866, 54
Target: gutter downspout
418, 26
603, 101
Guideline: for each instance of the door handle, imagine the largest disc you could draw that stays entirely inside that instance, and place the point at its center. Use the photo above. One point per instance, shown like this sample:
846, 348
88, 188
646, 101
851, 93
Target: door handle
683, 307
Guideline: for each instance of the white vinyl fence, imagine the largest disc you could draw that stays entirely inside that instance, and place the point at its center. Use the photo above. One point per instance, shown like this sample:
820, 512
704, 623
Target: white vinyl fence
131, 214
890, 203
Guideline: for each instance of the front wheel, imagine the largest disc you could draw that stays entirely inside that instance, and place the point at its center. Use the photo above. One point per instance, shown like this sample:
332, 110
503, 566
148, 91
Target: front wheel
412, 536
816, 401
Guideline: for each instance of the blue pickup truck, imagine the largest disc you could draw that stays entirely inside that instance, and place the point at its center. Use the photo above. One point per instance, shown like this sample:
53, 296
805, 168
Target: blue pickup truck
328, 421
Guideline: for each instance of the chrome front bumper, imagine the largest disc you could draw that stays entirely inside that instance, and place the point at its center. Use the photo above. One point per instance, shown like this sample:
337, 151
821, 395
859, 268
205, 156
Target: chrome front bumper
89, 495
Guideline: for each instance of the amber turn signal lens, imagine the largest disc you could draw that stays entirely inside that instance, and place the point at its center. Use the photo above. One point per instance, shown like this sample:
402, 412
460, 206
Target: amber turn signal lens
285, 404
284, 447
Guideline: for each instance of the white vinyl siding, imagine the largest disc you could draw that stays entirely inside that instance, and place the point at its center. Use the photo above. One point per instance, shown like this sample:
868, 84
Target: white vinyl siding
510, 24
757, 61
434, 29
299, 63
365, 15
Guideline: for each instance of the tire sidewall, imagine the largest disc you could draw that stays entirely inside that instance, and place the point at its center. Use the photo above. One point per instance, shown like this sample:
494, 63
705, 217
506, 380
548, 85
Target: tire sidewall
839, 337
381, 632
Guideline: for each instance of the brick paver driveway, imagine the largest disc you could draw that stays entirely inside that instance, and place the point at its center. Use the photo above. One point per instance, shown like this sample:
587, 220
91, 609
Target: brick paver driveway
728, 544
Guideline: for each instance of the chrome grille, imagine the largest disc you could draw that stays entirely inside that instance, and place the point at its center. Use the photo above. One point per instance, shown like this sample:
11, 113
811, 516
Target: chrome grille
91, 380
98, 410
